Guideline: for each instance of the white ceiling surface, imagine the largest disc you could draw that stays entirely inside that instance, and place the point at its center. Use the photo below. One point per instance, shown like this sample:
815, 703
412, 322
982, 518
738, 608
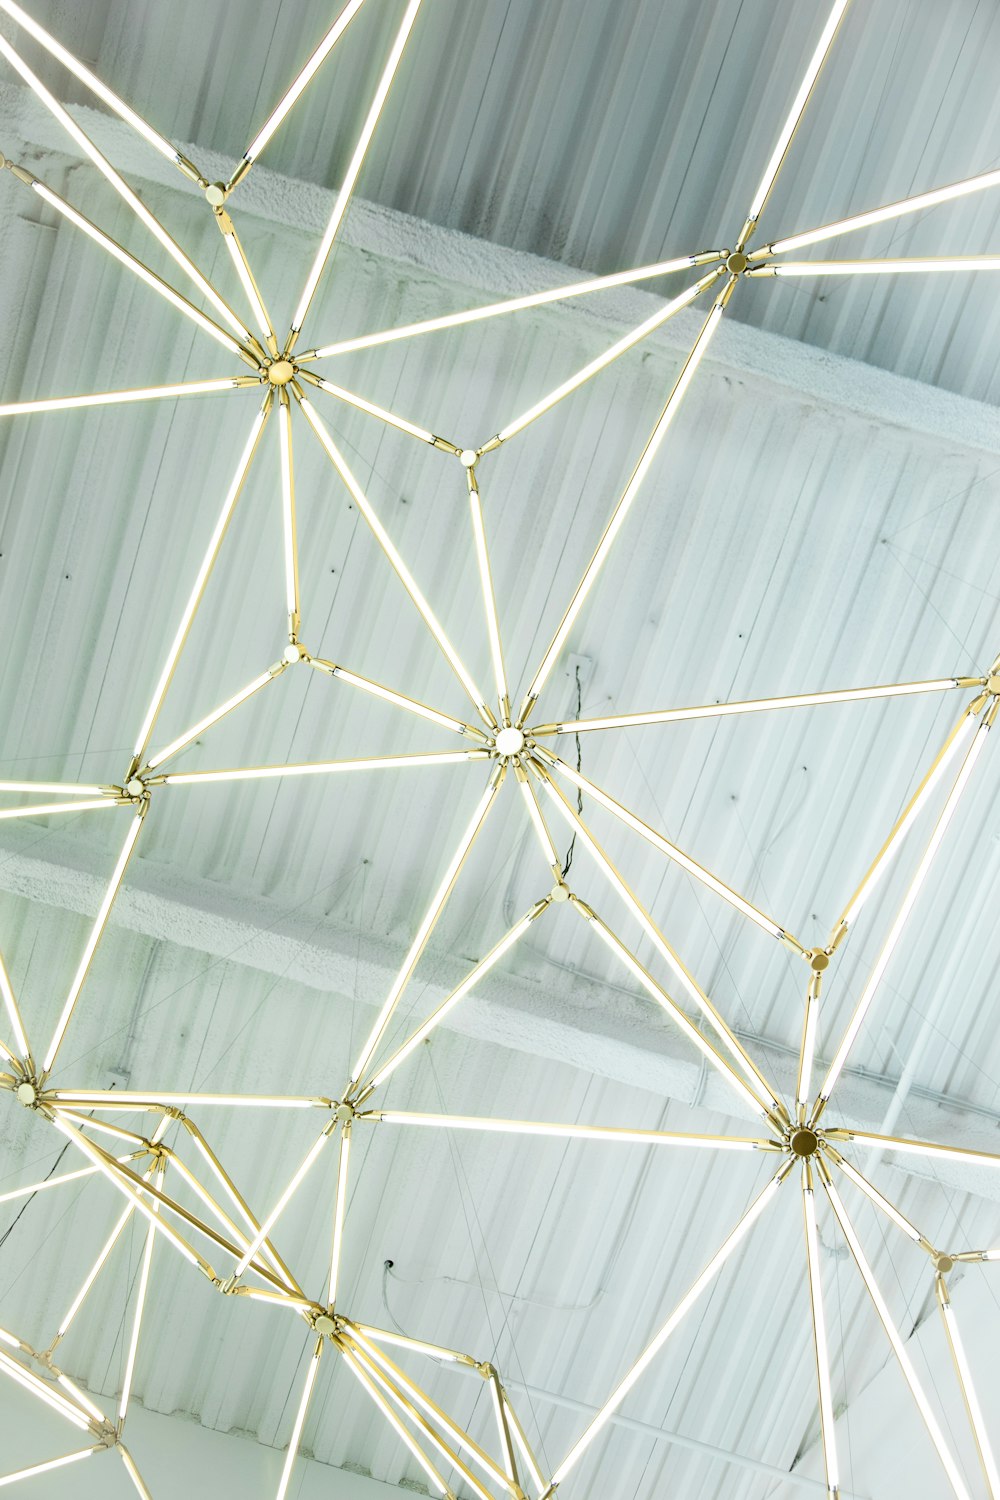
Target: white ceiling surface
783, 544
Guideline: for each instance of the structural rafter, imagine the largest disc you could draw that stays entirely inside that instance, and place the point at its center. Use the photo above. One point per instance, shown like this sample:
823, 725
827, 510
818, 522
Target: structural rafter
164, 1169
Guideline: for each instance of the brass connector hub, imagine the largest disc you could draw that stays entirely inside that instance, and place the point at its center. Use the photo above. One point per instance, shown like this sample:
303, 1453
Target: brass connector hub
803, 1142
27, 1094
819, 960
736, 263
944, 1264
280, 371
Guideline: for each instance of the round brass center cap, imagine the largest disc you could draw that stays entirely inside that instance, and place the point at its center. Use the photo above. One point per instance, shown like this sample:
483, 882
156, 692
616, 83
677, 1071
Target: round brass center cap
804, 1142
509, 741
324, 1324
281, 372
26, 1093
736, 263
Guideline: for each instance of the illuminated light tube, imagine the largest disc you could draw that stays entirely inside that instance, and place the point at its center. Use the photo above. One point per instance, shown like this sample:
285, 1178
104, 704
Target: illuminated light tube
924, 1148
95, 1269
595, 366
469, 983
798, 105
133, 1472
881, 215
574, 1132
80, 1395
67, 788
300, 1419
43, 809
520, 1438
207, 563
516, 304
965, 1380
912, 264
37, 1387
96, 932
340, 1209
898, 1347
288, 512
624, 504
402, 1432
283, 1201
487, 590
121, 187
52, 1463
9, 1339
889, 1209
140, 1304
427, 924
354, 167
138, 268
302, 80
882, 962
81, 71
955, 742
209, 720
670, 850
461, 1438
803, 1091
390, 696
821, 1344
370, 407
713, 1268
250, 287
327, 767
133, 1099
539, 825
419, 1346
500, 1417
750, 706
395, 560
13, 1013
113, 398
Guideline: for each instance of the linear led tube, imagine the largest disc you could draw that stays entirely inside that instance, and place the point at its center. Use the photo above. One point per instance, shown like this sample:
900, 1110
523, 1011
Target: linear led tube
353, 169
749, 706
604, 1415
327, 767
910, 264
389, 695
300, 1419
881, 215
820, 1342
114, 398
964, 1372
49, 1465
514, 304
185, 739
301, 81
96, 933
619, 1133
882, 962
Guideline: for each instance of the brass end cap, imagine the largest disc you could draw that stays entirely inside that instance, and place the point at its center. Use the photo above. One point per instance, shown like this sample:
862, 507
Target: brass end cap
135, 787
993, 683
27, 1094
280, 371
559, 892
819, 960
736, 263
324, 1325
944, 1264
468, 458
216, 194
509, 741
804, 1142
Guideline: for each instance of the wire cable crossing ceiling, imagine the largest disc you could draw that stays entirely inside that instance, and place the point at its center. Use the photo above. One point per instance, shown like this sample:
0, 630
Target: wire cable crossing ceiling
503, 748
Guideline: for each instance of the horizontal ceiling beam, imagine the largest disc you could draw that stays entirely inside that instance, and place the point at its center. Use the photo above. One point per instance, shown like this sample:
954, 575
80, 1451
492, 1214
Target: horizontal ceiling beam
605, 1031
447, 256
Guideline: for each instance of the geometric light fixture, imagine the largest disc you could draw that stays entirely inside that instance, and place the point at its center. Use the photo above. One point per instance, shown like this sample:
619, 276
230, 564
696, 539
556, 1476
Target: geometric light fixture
221, 1229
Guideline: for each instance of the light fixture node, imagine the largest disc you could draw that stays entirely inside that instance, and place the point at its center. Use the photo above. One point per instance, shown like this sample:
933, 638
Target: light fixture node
216, 194
993, 683
324, 1324
559, 892
736, 263
804, 1142
292, 653
819, 960
27, 1094
468, 458
279, 371
509, 741
944, 1264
